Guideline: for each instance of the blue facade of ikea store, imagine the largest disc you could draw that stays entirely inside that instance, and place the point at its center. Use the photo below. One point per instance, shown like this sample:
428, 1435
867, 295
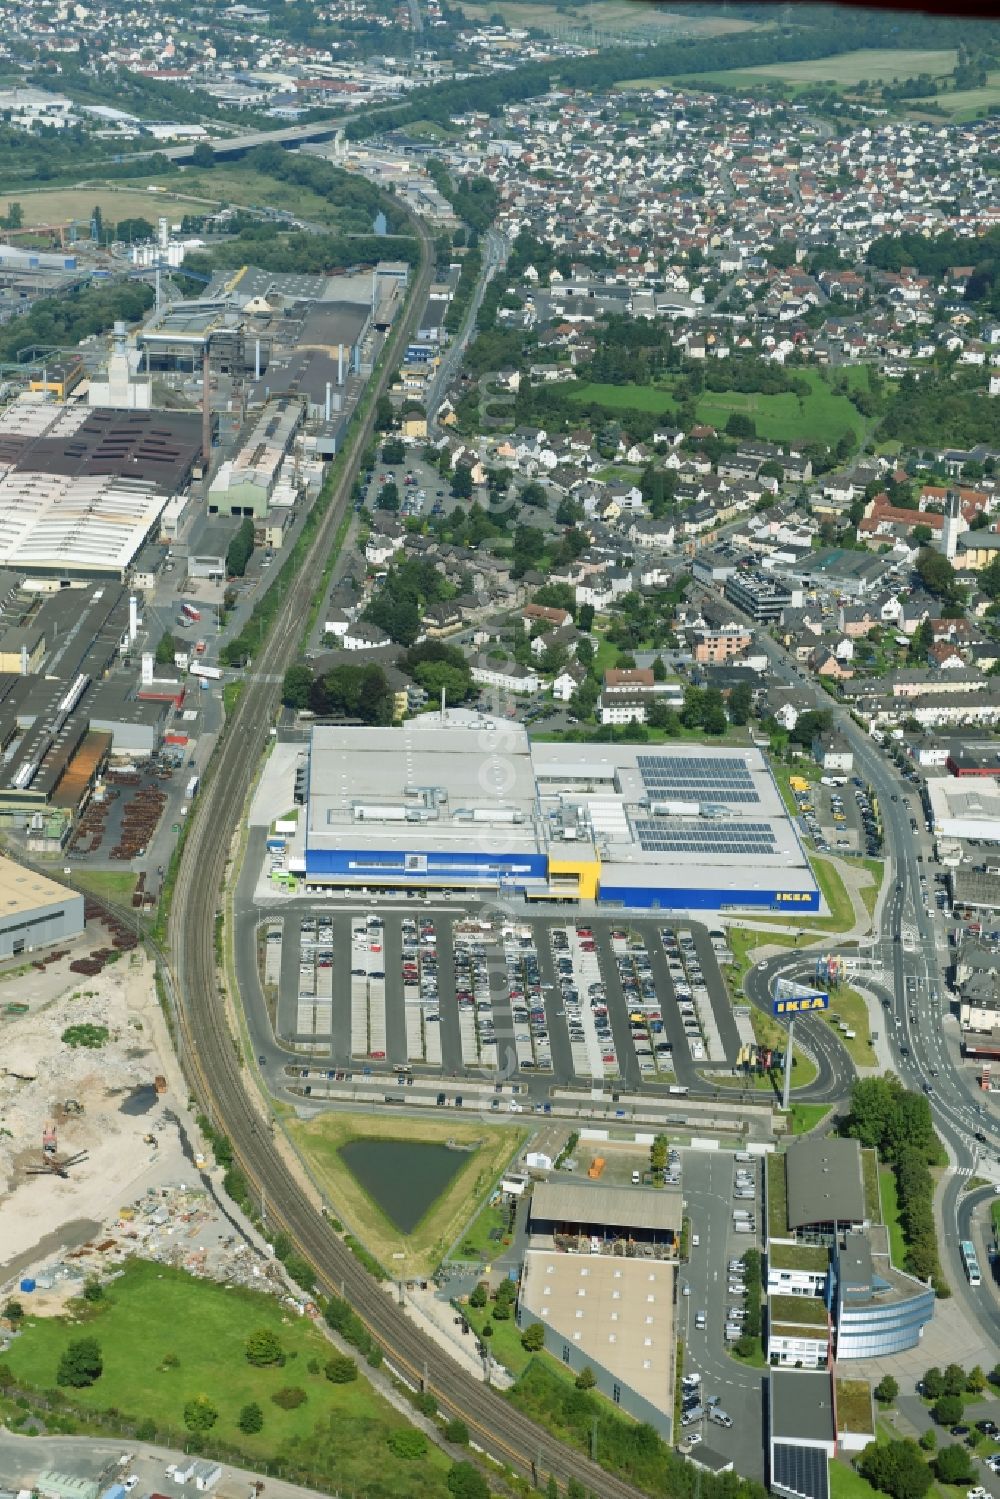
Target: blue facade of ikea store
688, 898
528, 874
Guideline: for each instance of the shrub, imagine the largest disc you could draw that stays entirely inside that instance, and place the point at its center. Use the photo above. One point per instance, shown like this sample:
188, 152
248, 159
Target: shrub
407, 1442
947, 1410
341, 1369
586, 1379
290, 1398
200, 1414
533, 1338
251, 1418
457, 1432
263, 1349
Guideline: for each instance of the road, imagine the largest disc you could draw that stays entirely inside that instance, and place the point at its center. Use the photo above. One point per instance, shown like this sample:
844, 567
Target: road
910, 944
214, 1065
494, 250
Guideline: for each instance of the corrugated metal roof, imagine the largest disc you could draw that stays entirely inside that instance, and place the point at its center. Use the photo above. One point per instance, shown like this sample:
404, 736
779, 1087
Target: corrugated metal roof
655, 1211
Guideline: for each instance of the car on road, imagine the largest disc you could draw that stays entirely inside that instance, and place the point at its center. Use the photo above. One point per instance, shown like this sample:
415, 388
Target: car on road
262, 1060
960, 1431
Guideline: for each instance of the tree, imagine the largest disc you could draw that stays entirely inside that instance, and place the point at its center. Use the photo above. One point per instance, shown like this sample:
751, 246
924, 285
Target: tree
928, 1439
81, 1364
251, 1418
533, 1338
955, 1380
714, 719
478, 1295
341, 1369
933, 1380
740, 703
200, 1414
456, 1432
388, 496
203, 155
953, 1464
659, 670
296, 687
166, 649
886, 1390
948, 1410
922, 535
896, 1468
263, 1349
393, 451
936, 572
14, 1312
461, 482
466, 1482
586, 1379
93, 1291
534, 495
585, 618
975, 1382
240, 549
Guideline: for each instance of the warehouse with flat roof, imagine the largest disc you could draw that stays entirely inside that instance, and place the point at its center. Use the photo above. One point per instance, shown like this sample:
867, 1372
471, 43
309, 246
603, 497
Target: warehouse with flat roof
34, 911
469, 803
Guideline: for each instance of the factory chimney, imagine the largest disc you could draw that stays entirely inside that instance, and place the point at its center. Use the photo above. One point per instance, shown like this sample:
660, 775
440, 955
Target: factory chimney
206, 412
329, 400
133, 618
340, 364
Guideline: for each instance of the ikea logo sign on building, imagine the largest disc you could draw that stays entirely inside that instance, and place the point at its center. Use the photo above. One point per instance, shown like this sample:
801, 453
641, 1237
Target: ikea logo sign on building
800, 1006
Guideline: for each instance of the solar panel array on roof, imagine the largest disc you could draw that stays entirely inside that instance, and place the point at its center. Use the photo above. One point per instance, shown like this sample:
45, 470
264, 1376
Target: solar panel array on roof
802, 1471
726, 779
660, 836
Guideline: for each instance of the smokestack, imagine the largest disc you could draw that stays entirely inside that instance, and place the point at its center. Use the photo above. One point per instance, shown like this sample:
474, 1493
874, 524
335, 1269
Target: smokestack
206, 412
256, 359
329, 399
340, 364
133, 618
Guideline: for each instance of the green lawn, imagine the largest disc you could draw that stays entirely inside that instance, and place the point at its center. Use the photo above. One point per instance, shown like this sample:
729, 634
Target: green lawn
806, 1116
870, 893
995, 1218
154, 1311
112, 884
845, 1483
476, 1243
625, 397
820, 417
962, 104
890, 1215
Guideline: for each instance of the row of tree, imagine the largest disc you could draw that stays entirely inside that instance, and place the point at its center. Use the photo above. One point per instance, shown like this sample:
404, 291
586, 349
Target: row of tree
886, 1117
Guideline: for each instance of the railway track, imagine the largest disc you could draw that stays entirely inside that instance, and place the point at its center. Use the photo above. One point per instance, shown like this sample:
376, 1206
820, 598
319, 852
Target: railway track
211, 1057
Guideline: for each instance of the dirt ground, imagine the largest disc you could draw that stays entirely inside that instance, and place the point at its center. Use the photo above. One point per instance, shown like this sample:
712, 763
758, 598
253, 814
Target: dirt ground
81, 1091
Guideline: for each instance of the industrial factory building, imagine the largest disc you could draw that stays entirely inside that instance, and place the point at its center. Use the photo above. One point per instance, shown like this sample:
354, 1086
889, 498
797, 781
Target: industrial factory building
470, 804
82, 489
35, 912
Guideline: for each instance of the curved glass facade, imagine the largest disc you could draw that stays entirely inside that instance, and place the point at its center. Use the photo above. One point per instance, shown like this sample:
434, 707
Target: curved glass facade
874, 1329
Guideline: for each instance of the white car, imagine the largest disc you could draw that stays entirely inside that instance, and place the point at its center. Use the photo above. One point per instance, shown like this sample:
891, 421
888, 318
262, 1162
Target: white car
131, 1482
695, 1241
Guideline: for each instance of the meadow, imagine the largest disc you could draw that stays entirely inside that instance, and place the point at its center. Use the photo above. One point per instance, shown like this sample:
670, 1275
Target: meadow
166, 1337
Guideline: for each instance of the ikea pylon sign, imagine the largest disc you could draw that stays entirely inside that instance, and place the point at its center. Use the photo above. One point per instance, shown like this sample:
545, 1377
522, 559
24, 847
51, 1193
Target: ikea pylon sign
800, 1005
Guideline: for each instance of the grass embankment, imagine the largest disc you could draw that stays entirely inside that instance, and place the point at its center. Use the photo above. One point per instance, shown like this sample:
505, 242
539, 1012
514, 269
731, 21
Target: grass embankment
890, 1216
848, 1006
108, 884
484, 1236
319, 1141
806, 1116
870, 893
154, 1315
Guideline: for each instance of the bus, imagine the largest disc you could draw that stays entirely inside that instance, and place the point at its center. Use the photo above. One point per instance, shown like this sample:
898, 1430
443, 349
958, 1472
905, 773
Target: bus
970, 1263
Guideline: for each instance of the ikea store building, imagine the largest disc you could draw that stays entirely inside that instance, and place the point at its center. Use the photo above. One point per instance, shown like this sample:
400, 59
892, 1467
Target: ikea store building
467, 803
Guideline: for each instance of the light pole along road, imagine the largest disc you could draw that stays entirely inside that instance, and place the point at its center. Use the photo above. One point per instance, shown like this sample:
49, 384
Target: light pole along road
211, 1055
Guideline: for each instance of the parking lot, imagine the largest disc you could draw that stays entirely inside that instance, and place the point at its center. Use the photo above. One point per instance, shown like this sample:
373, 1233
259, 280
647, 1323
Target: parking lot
554, 1001
838, 818
723, 1195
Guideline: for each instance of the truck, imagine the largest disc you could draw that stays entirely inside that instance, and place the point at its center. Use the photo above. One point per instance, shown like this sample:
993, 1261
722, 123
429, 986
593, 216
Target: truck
191, 790
677, 1091
191, 613
199, 669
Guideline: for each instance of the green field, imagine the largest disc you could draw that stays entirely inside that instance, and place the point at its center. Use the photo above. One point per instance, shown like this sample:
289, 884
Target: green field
846, 1004
822, 416
111, 884
610, 15
624, 397
843, 70
962, 104
191, 190
319, 1141
153, 1312
806, 1116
